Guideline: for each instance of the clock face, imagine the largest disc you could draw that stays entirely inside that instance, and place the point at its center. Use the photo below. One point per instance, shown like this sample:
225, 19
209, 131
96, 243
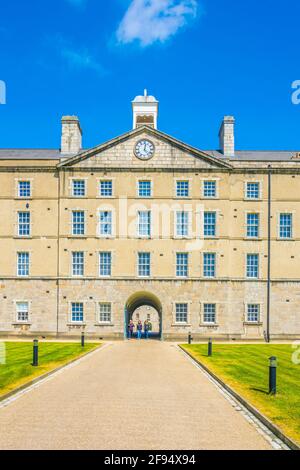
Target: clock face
144, 149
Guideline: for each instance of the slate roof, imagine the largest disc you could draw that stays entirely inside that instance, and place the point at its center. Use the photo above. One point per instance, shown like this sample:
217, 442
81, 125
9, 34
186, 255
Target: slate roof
257, 155
30, 154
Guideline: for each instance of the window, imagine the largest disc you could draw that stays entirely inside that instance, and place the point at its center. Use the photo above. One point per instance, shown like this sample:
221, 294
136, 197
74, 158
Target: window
78, 263
182, 224
252, 191
253, 313
209, 315
210, 189
22, 312
77, 312
105, 313
78, 188
285, 226
252, 266
78, 222
106, 188
145, 189
182, 264
24, 224
24, 189
252, 225
209, 224
105, 263
181, 313
105, 226
144, 267
23, 264
209, 264
144, 224
182, 188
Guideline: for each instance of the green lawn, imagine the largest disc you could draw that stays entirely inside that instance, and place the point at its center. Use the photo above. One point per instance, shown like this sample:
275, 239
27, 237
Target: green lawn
18, 369
246, 369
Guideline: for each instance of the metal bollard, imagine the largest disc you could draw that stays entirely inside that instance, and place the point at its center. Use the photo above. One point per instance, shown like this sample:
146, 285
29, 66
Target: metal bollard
190, 339
35, 362
82, 339
273, 375
210, 347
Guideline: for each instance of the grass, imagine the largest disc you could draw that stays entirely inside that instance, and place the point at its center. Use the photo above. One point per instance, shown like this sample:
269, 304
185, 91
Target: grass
246, 369
18, 369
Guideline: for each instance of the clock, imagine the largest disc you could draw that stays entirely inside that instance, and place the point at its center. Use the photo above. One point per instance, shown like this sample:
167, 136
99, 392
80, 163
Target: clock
144, 149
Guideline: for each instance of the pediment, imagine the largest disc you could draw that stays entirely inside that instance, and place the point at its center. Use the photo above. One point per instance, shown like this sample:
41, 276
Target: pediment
120, 153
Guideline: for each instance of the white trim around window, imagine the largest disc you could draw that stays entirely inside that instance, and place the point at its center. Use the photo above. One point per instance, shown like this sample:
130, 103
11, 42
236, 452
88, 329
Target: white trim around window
260, 190
214, 180
107, 208
70, 186
261, 313
106, 178
146, 179
20, 180
108, 310
174, 311
190, 185
16, 312
202, 313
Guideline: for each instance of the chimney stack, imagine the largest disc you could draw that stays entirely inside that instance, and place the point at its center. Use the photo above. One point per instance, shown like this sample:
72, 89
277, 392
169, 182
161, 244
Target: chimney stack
71, 137
226, 136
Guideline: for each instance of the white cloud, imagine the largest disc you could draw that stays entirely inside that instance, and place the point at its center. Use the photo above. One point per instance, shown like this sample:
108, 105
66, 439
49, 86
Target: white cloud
150, 21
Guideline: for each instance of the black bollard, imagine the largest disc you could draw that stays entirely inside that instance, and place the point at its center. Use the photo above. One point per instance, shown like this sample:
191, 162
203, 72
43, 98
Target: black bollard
82, 339
273, 375
190, 339
35, 362
210, 347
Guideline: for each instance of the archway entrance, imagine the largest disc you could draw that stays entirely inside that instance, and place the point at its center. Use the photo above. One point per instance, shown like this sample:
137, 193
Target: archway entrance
141, 306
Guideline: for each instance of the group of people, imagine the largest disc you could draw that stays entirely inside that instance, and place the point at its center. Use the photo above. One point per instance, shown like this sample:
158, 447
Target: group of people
139, 329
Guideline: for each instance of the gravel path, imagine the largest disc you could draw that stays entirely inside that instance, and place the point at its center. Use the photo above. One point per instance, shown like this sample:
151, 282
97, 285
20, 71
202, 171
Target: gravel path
130, 395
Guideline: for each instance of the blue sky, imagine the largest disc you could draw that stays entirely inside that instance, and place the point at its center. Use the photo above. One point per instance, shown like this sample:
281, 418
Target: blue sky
202, 59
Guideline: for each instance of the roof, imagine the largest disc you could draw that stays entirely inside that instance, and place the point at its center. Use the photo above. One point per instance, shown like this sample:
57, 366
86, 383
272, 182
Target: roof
258, 155
30, 154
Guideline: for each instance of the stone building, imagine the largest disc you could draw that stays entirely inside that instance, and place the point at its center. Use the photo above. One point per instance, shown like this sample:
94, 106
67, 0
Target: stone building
88, 236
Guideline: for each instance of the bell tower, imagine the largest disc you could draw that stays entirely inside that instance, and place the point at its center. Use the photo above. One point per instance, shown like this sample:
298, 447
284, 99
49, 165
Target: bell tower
145, 111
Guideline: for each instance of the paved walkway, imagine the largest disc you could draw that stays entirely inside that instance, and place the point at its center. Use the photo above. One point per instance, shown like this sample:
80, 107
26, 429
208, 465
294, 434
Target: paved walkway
130, 395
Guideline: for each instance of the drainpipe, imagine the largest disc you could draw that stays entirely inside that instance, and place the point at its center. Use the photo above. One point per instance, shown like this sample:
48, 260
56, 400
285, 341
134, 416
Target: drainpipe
58, 256
269, 252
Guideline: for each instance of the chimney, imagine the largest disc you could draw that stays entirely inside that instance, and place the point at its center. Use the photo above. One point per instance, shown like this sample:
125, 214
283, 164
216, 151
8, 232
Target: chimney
71, 137
226, 136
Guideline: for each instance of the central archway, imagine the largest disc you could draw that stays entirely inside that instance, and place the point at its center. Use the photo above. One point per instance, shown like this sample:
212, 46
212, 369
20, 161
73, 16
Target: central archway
140, 299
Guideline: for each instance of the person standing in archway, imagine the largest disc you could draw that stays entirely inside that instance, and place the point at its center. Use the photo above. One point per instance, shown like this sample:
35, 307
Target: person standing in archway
130, 329
146, 328
139, 329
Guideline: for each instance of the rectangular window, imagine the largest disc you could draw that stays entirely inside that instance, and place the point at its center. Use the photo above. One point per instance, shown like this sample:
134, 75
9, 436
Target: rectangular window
22, 312
252, 225
181, 313
182, 224
78, 188
209, 224
209, 264
105, 226
144, 224
78, 263
252, 266
286, 226
144, 266
252, 191
78, 223
182, 264
210, 189
145, 189
105, 263
23, 264
209, 315
106, 188
77, 312
182, 188
24, 224
253, 313
24, 189
105, 313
